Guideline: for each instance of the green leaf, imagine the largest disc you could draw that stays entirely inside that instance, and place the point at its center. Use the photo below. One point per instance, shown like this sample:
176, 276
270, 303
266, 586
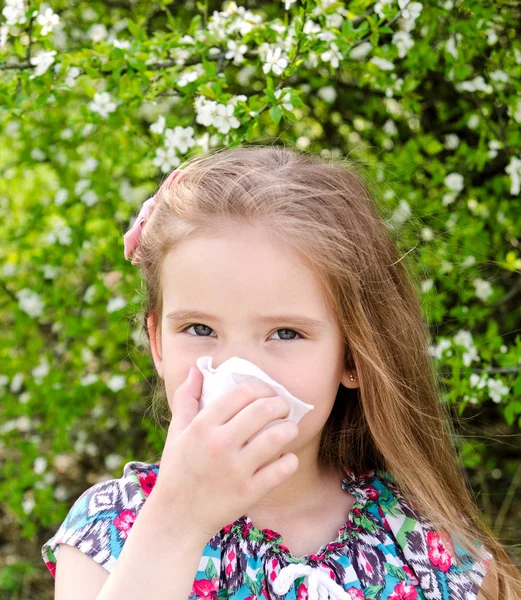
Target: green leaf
395, 571
276, 114
207, 91
133, 27
372, 591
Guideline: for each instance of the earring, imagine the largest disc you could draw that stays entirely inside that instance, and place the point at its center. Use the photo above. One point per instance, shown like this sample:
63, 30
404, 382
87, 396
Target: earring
352, 377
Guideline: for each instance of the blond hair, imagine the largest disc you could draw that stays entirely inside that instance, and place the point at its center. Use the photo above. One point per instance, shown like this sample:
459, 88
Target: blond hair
323, 207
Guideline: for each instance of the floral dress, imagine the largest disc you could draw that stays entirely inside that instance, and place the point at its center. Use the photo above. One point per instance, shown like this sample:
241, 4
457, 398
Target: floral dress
385, 550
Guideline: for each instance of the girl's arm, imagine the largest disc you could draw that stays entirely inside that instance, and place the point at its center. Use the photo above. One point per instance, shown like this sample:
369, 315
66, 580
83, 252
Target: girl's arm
489, 584
160, 557
159, 560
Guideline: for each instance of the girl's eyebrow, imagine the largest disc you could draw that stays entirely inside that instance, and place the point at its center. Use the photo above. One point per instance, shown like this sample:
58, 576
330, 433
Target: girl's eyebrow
299, 320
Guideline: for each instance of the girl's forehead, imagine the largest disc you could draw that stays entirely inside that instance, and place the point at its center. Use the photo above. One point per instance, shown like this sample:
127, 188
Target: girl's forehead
266, 276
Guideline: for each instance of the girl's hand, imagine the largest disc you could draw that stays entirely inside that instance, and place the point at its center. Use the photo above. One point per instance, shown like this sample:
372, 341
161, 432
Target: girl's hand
209, 473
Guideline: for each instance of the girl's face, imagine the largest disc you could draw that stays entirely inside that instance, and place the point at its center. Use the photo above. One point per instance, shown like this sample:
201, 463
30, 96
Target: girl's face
235, 279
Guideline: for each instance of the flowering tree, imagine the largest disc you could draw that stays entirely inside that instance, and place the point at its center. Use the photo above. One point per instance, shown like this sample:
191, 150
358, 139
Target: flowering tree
100, 100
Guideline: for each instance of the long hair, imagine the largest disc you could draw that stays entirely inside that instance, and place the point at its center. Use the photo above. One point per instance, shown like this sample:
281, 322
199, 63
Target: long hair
324, 208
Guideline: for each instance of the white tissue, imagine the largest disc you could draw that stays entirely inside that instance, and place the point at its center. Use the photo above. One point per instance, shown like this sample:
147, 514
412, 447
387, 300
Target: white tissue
235, 371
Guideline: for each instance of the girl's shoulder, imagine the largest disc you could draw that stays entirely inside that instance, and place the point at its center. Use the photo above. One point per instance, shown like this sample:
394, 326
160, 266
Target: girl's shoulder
100, 520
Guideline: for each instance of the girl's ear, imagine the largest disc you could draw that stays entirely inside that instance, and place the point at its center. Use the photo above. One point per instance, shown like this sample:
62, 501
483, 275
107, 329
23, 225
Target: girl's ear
155, 345
347, 379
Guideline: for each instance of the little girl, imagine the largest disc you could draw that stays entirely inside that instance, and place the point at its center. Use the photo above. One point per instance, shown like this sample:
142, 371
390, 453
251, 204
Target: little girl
365, 497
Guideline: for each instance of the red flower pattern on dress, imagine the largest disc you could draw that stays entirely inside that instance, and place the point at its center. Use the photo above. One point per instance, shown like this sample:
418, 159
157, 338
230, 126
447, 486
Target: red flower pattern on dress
302, 592
274, 565
367, 565
355, 593
403, 591
204, 588
372, 492
384, 520
439, 554
147, 481
412, 576
124, 521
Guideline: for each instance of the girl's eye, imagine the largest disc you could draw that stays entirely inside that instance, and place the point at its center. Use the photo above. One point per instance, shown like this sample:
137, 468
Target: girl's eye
194, 325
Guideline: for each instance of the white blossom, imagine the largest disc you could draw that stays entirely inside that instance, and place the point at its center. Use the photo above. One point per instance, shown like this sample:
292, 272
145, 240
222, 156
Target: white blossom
426, 285
382, 63
88, 166
477, 381
451, 45
236, 51
483, 288
470, 355
190, 75
497, 389
90, 198
97, 32
410, 10
40, 464
89, 379
50, 271
332, 56
286, 98
427, 234
159, 125
402, 213
48, 20
60, 493
180, 138
514, 170
103, 104
516, 112
455, 182
122, 44
464, 338
310, 28
451, 141
30, 302
16, 383
403, 42
166, 159
41, 371
379, 7
390, 127
327, 93
492, 37
113, 461
473, 121
116, 383
476, 84
225, 119
493, 147
437, 351
72, 74
116, 303
58, 232
468, 262
14, 12
4, 31
275, 61
361, 51
42, 62
28, 504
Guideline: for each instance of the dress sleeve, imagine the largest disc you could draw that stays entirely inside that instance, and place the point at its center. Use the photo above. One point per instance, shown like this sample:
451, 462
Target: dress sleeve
430, 554
100, 520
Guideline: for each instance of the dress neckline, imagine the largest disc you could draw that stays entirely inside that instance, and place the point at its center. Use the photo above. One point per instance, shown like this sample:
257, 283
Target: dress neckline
270, 539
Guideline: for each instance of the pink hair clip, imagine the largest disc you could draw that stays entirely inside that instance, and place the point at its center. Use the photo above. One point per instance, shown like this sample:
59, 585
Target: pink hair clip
131, 238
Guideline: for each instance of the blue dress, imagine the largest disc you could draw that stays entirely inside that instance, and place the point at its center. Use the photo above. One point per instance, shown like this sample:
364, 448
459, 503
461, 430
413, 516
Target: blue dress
385, 550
